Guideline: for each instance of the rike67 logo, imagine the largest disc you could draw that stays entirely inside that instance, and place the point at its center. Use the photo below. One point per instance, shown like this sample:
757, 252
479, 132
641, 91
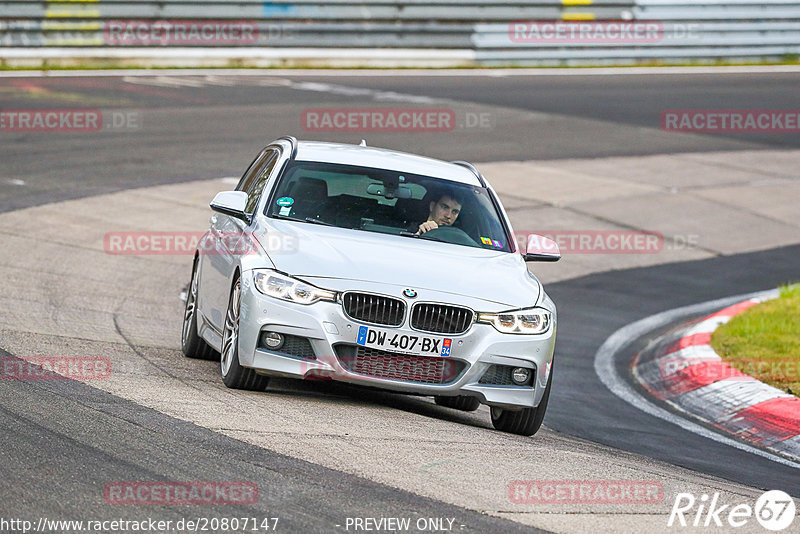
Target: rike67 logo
774, 510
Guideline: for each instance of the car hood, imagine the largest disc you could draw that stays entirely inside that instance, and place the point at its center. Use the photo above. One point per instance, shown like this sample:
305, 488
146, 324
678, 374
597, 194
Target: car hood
313, 251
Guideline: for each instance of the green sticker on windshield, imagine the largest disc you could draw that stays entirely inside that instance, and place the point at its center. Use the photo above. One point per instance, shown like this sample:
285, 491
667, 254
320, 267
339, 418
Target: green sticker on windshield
285, 201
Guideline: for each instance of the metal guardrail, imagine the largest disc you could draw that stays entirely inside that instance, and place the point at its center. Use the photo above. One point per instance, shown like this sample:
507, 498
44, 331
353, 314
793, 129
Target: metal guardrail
730, 10
267, 34
683, 30
371, 10
678, 29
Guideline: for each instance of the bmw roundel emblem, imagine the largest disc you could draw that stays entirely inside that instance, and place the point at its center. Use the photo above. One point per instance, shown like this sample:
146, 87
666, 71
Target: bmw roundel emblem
410, 293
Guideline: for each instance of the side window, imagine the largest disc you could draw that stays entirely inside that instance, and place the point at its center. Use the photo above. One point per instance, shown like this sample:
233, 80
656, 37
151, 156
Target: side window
249, 175
253, 184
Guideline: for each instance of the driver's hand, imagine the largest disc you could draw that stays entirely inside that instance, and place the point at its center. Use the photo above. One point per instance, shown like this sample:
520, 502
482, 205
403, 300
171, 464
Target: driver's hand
427, 226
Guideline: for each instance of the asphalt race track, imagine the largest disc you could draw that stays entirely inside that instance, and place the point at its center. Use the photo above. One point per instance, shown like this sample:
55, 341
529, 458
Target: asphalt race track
62, 441
616, 424
208, 130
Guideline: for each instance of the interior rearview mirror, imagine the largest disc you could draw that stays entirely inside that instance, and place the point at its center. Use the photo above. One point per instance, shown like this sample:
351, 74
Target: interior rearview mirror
401, 191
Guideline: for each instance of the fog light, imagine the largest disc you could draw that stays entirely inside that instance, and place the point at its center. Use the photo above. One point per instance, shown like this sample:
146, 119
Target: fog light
272, 340
520, 375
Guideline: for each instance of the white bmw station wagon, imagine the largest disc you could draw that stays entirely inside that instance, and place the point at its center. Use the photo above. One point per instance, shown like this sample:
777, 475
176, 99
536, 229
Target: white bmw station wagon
378, 268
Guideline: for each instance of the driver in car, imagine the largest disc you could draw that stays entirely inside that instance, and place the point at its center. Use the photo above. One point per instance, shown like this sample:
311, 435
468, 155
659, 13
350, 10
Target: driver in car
443, 212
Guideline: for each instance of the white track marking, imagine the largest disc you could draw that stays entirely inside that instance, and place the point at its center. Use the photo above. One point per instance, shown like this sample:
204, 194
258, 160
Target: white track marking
167, 81
225, 81
342, 90
16, 181
708, 326
334, 73
695, 352
605, 359
379, 96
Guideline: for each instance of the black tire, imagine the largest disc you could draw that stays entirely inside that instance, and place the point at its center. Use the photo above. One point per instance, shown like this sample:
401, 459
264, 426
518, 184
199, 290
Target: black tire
525, 422
192, 345
233, 374
465, 403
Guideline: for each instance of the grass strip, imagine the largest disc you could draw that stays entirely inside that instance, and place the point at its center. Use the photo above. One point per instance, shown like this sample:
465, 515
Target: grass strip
764, 341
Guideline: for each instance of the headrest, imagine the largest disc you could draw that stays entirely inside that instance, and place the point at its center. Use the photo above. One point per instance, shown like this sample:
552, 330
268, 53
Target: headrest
310, 188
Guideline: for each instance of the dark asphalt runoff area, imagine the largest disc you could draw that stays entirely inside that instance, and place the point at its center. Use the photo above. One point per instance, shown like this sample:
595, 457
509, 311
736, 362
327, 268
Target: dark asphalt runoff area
73, 438
63, 442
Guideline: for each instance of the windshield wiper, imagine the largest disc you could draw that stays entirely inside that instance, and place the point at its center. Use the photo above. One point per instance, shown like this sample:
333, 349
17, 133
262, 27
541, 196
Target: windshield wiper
307, 219
285, 217
424, 236
317, 221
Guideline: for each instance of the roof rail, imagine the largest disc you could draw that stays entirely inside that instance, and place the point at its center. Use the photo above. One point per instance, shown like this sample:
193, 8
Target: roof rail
292, 141
471, 167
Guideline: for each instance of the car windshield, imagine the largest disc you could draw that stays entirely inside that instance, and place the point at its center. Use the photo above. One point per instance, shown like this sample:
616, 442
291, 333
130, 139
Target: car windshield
384, 201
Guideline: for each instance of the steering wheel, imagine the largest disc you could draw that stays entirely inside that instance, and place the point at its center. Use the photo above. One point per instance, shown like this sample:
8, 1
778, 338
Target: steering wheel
449, 234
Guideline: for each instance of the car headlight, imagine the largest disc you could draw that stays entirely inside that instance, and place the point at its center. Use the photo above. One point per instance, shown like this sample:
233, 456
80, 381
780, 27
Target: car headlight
285, 287
527, 321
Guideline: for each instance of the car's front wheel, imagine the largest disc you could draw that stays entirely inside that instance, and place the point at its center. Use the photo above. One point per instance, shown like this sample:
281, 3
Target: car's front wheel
192, 345
525, 422
233, 374
464, 403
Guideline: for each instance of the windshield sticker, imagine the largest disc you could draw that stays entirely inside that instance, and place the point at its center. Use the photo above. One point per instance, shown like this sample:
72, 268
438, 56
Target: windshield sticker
285, 201
498, 244
486, 241
285, 210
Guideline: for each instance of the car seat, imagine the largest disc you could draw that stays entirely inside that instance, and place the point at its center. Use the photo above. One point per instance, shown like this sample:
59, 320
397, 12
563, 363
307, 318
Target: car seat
310, 197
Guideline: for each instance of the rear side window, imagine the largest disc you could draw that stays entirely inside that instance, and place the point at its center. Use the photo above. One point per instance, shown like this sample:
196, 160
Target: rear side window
256, 177
249, 175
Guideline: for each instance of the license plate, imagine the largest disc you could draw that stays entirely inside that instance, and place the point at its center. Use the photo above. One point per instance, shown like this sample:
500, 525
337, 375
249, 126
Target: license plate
416, 344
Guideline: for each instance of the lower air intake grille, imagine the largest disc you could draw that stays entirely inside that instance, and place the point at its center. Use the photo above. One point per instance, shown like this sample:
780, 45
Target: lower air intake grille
297, 346
375, 309
500, 375
440, 318
391, 366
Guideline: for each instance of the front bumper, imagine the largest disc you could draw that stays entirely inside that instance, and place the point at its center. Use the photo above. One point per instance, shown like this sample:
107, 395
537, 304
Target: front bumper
328, 329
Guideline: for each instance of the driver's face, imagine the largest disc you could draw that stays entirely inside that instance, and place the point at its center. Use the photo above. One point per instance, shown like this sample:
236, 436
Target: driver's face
445, 211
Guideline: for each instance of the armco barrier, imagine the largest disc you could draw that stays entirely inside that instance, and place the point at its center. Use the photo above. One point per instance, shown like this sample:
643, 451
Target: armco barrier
462, 32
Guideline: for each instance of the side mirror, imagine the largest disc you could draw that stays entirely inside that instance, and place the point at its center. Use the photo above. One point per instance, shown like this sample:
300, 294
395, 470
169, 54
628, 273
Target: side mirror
231, 203
541, 248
